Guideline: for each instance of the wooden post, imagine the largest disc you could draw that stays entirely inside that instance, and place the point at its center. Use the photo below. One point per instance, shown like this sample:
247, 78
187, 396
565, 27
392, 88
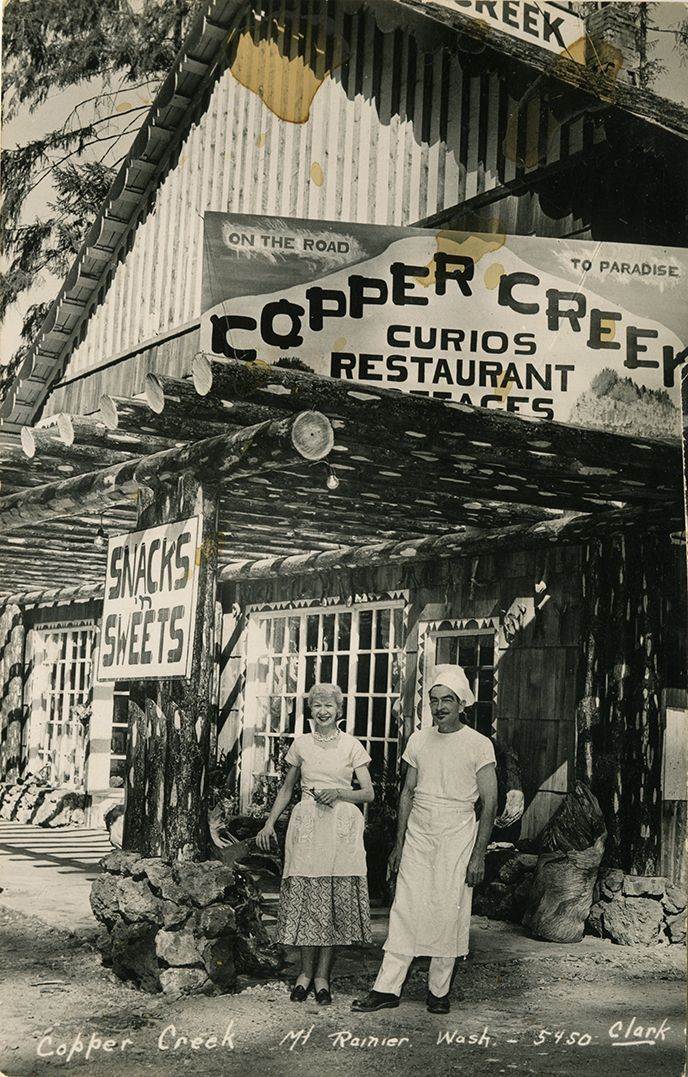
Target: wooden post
628, 580
169, 743
12, 638
168, 757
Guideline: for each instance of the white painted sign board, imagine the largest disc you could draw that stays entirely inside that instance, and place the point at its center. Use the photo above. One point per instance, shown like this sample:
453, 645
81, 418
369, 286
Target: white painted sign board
149, 605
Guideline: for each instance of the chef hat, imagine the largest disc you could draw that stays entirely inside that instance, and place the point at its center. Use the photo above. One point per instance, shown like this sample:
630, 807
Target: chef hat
453, 677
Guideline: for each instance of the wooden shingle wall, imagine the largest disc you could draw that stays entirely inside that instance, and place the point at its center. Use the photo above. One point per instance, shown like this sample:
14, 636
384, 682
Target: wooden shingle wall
535, 706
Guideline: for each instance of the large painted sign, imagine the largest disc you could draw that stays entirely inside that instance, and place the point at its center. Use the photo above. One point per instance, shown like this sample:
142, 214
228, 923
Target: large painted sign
149, 605
551, 26
588, 333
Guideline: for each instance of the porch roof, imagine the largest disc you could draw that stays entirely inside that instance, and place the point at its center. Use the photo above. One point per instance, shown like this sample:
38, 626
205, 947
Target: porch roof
417, 478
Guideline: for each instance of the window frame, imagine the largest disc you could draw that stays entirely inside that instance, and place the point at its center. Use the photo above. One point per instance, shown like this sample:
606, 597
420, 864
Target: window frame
256, 614
47, 753
429, 632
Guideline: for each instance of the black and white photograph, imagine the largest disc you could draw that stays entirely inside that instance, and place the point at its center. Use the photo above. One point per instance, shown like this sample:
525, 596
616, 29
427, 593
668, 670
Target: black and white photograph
343, 651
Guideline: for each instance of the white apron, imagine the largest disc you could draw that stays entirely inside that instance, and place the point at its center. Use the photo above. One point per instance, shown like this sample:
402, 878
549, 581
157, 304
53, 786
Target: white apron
431, 914
324, 840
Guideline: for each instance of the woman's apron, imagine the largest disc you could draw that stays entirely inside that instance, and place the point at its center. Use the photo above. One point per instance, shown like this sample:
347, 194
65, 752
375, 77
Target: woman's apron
324, 840
431, 913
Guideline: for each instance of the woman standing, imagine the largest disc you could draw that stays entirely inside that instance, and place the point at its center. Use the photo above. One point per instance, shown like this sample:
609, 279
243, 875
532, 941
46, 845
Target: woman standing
324, 895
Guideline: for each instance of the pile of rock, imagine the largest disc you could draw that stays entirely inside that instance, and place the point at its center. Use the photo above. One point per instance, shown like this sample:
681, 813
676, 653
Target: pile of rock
32, 800
508, 878
637, 909
182, 927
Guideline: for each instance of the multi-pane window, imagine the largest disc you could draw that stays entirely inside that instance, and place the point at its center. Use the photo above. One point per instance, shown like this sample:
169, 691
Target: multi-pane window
357, 647
475, 653
62, 693
119, 737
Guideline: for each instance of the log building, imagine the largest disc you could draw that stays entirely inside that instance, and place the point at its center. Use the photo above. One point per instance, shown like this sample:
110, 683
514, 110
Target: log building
543, 557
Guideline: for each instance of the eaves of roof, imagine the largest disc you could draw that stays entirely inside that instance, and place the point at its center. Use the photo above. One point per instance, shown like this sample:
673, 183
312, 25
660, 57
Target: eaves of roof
178, 102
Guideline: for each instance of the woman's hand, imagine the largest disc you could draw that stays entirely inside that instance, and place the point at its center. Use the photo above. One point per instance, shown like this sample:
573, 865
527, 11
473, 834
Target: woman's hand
328, 797
265, 836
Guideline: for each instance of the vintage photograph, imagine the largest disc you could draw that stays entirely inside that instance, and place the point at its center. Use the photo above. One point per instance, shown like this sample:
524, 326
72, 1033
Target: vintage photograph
343, 658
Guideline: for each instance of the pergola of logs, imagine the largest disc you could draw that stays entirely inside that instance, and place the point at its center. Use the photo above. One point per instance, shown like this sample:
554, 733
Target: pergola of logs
249, 450
418, 478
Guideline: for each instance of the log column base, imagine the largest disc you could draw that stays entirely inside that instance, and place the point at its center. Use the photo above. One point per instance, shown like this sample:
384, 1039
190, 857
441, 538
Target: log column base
182, 927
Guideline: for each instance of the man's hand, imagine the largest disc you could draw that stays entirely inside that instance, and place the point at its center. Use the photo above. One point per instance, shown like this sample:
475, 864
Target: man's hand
513, 809
394, 861
475, 872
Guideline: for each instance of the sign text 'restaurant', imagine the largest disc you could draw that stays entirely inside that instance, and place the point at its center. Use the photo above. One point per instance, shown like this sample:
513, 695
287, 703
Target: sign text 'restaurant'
520, 323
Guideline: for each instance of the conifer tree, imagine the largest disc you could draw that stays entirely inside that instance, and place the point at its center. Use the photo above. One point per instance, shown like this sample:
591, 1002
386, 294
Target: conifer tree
50, 45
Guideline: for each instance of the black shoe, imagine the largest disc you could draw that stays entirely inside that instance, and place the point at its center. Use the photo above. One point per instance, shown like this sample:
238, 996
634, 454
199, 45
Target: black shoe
323, 996
375, 1000
433, 1004
300, 993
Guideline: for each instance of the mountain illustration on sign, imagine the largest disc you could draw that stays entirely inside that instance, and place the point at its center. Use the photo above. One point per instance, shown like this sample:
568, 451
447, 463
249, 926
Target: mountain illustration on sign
623, 406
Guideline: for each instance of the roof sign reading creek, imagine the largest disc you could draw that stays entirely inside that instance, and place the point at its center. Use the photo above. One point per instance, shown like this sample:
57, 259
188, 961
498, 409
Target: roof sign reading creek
547, 25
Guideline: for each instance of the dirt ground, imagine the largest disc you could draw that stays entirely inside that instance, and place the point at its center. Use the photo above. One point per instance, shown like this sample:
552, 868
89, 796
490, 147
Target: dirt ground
615, 1012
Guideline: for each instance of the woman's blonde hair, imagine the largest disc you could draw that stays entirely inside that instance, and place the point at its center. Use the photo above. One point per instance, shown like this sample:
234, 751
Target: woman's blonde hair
332, 690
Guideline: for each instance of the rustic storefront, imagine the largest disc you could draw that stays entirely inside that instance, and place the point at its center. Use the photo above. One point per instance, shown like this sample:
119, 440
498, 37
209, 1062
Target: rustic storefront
393, 532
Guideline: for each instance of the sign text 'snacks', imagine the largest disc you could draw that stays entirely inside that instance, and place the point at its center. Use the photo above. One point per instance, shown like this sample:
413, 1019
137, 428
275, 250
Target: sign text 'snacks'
150, 595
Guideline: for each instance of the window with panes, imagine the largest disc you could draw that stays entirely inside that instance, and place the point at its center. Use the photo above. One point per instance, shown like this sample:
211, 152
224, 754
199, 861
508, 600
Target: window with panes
64, 657
119, 737
475, 653
358, 647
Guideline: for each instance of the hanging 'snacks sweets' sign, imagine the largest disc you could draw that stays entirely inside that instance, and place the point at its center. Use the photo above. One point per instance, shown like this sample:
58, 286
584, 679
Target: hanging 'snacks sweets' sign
541, 327
149, 605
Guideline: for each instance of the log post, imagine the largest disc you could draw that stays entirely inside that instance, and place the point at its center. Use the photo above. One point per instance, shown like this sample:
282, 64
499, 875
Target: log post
628, 580
12, 638
168, 757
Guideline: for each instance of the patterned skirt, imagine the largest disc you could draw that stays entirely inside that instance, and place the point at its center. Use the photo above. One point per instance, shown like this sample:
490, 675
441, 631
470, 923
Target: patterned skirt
324, 911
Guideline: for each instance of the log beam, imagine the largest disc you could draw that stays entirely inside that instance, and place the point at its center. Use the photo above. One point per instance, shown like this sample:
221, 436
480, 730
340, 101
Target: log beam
127, 415
569, 529
265, 447
81, 432
56, 596
610, 466
433, 510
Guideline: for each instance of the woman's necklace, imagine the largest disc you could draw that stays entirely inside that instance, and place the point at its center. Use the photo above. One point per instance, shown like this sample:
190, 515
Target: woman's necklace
330, 736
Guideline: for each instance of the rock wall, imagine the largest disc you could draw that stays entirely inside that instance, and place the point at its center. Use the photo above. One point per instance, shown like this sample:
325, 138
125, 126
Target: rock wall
626, 909
34, 801
182, 927
644, 909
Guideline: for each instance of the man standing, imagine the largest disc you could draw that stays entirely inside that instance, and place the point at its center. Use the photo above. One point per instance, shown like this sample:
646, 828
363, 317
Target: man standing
440, 846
